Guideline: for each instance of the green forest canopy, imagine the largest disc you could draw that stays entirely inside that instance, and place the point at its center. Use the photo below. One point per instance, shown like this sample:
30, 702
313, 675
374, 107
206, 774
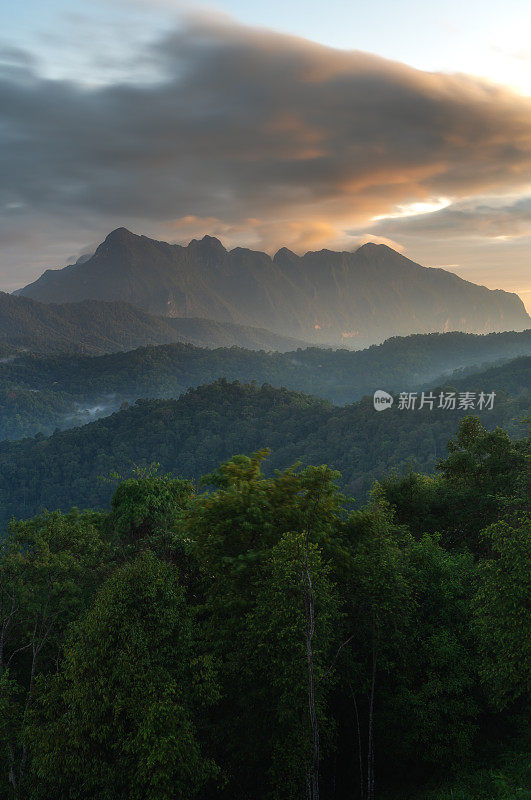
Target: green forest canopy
159, 650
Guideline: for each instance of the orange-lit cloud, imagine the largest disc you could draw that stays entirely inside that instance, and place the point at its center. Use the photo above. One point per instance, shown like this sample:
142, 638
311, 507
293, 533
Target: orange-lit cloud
265, 140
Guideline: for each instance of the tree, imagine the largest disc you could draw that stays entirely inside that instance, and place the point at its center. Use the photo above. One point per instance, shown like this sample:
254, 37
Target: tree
126, 701
463, 498
280, 643
404, 699
50, 567
255, 539
376, 600
147, 512
501, 609
481, 466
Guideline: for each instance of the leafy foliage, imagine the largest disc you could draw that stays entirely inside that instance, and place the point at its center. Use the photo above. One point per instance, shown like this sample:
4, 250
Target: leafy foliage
196, 643
124, 702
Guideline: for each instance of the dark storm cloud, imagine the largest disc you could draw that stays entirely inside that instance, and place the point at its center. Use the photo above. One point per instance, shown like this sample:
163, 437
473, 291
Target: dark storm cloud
254, 129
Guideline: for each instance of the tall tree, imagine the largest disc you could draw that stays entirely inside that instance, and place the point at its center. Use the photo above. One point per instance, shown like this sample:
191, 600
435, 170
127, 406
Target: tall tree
50, 567
127, 699
255, 540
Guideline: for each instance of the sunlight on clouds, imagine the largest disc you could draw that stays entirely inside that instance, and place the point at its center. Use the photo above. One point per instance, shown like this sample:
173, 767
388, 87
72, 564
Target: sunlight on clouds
415, 209
266, 140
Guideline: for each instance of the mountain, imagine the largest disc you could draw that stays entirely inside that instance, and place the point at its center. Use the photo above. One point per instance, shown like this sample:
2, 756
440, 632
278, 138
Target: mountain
326, 297
96, 327
38, 394
191, 435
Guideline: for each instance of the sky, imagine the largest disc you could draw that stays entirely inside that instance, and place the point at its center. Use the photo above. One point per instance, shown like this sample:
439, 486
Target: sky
305, 124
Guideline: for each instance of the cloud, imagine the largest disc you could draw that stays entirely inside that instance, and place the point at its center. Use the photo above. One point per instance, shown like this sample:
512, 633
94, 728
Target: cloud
267, 138
496, 218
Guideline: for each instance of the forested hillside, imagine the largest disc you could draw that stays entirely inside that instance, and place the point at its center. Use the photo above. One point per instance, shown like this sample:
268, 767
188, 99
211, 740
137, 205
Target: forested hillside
189, 436
243, 641
513, 377
40, 394
95, 327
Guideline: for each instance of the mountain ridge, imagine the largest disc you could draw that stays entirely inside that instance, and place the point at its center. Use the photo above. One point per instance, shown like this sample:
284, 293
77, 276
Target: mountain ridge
349, 298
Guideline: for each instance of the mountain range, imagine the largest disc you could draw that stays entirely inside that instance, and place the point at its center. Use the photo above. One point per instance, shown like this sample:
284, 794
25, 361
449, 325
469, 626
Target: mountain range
335, 298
